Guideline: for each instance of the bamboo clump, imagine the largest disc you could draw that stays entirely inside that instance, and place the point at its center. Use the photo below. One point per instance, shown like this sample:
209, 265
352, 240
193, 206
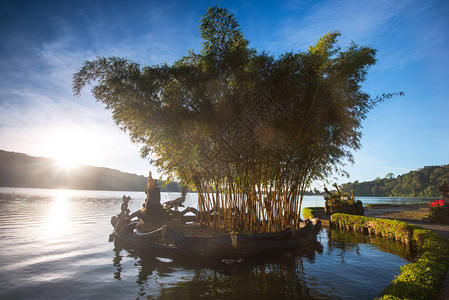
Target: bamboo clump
253, 196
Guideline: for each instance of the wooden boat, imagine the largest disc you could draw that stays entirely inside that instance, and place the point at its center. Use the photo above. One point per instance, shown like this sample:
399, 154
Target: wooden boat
228, 245
168, 240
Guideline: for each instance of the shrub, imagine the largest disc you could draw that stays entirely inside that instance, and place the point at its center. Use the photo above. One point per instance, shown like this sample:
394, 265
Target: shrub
307, 213
312, 212
439, 213
419, 280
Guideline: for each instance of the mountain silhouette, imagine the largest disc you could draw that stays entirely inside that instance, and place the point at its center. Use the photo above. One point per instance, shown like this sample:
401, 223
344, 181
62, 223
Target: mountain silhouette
21, 170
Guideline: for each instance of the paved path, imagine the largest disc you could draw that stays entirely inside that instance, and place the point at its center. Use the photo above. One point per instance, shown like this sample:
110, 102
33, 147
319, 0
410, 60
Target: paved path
443, 230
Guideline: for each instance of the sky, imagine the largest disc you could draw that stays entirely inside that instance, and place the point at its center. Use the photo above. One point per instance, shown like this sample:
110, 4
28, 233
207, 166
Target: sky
44, 42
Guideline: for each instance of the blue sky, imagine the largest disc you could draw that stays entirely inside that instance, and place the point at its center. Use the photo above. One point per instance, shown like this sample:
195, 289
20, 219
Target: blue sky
45, 42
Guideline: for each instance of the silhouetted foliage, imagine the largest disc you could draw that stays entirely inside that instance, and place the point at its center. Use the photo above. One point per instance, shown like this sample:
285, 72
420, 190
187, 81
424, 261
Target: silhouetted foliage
251, 127
421, 183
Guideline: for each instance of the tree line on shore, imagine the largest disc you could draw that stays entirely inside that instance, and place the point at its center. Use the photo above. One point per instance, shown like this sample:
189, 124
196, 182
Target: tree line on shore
21, 170
420, 183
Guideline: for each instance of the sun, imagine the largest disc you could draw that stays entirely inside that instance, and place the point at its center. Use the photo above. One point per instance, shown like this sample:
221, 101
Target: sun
68, 151
68, 155
67, 162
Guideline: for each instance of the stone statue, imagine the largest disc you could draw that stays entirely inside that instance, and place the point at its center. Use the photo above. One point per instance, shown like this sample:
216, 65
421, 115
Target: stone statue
336, 202
440, 213
123, 217
174, 204
444, 189
153, 193
151, 182
124, 209
152, 209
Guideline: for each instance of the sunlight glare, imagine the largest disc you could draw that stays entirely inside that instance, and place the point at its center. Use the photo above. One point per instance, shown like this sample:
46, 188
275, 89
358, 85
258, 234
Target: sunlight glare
57, 220
68, 150
67, 162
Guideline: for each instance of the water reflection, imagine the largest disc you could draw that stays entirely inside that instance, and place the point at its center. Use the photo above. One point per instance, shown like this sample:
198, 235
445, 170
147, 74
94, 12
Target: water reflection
116, 262
339, 265
53, 245
57, 221
347, 241
274, 274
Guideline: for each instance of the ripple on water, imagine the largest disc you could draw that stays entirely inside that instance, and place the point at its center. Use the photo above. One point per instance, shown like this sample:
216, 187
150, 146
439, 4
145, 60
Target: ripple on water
54, 245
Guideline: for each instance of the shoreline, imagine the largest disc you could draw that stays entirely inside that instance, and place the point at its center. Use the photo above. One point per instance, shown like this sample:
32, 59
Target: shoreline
413, 214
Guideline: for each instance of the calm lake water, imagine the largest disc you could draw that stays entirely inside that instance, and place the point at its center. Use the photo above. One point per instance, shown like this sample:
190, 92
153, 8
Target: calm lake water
54, 245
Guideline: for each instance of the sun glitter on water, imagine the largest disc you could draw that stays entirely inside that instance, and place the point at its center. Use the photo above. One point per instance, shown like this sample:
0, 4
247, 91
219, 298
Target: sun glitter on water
57, 222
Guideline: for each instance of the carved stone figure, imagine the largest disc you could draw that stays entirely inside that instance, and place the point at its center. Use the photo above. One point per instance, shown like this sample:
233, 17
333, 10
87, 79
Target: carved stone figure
152, 210
339, 203
440, 213
153, 193
174, 204
124, 208
444, 189
151, 182
123, 217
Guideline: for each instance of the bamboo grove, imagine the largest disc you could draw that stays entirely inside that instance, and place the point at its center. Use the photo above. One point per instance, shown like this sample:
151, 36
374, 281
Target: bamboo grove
248, 130
246, 200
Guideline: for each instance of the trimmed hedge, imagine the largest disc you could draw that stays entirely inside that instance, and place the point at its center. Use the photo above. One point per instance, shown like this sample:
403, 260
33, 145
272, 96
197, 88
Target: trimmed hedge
422, 279
312, 212
307, 213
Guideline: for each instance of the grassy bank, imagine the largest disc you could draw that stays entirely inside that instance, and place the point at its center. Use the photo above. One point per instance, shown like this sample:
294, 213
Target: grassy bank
421, 279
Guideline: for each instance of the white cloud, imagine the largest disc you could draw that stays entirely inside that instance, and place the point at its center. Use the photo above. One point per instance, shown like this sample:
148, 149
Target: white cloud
44, 118
40, 115
357, 20
403, 31
36, 101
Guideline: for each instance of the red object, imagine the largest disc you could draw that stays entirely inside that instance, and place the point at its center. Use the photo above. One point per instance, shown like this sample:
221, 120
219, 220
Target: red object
437, 203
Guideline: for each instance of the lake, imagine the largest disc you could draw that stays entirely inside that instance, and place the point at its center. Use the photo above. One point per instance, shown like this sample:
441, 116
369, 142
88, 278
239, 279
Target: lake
54, 245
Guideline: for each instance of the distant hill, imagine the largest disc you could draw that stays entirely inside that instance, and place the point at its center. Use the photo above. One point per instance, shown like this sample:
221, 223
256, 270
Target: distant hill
21, 170
420, 183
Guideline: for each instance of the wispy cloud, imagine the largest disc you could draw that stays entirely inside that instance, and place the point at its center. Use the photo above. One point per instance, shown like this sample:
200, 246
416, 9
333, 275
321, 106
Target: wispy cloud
45, 127
403, 31
36, 100
40, 115
357, 20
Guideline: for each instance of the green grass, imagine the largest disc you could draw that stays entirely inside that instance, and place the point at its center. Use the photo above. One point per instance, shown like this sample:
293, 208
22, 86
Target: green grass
421, 279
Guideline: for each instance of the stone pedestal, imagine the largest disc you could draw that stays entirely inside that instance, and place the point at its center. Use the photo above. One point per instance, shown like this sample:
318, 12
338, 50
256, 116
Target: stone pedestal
153, 192
153, 207
153, 197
